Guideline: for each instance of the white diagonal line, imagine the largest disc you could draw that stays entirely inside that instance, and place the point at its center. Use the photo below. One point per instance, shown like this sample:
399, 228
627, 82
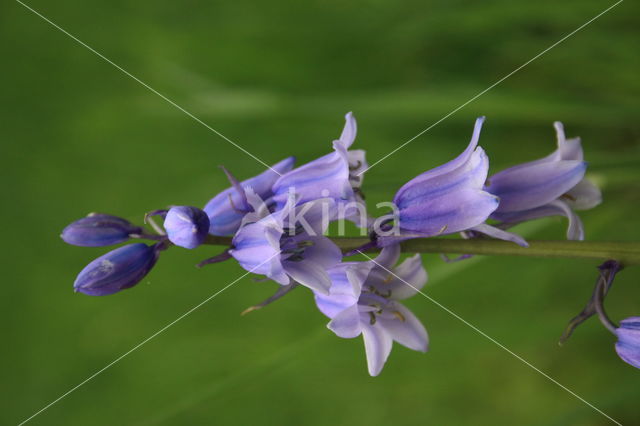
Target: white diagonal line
143, 342
493, 85
500, 345
146, 85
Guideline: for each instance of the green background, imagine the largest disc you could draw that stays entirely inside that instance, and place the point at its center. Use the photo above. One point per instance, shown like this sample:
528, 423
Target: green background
277, 77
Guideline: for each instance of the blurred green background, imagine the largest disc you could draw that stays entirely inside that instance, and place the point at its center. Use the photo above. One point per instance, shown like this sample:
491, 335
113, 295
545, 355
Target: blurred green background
277, 77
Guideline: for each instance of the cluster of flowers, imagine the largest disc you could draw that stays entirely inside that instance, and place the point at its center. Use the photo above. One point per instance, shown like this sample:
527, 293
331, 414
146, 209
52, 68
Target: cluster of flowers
279, 218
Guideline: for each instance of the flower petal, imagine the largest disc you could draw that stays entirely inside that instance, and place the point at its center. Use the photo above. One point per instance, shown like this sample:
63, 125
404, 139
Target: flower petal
350, 129
388, 256
448, 214
468, 170
323, 252
575, 229
347, 323
524, 188
628, 345
585, 195
309, 274
377, 345
500, 234
224, 219
406, 329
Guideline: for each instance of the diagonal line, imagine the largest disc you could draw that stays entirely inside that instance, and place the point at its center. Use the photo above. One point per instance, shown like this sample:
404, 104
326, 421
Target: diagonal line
492, 86
500, 345
143, 342
147, 86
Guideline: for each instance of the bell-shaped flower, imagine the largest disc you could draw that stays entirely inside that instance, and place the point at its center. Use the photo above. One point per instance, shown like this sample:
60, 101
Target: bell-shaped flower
97, 230
447, 199
117, 270
628, 345
364, 300
186, 226
553, 185
288, 245
226, 209
337, 175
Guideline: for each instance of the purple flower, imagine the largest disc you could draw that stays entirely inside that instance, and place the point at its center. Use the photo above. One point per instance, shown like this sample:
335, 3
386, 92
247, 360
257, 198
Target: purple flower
226, 209
186, 226
446, 199
553, 185
364, 299
336, 175
97, 230
288, 245
628, 345
117, 270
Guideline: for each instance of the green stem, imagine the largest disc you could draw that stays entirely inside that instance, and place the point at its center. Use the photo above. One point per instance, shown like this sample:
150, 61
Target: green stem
627, 253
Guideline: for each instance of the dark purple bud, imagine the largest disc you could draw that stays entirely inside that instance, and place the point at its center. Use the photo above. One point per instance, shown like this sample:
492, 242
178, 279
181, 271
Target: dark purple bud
628, 345
98, 230
117, 270
186, 226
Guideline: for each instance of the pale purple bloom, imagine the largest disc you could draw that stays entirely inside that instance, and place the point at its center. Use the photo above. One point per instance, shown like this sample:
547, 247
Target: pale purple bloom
628, 345
553, 185
448, 199
226, 209
364, 299
336, 175
186, 226
288, 245
97, 230
117, 270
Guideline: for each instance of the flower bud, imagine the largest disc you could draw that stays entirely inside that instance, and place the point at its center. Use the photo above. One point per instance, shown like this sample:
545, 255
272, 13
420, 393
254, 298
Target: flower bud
628, 345
186, 226
117, 270
98, 230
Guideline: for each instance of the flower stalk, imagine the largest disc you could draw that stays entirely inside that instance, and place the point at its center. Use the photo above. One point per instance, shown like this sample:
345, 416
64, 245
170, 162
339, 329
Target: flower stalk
627, 253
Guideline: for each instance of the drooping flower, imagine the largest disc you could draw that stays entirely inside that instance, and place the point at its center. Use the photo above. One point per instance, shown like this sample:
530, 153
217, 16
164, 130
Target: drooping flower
186, 226
288, 245
628, 344
553, 185
97, 230
117, 270
226, 209
337, 175
447, 199
364, 299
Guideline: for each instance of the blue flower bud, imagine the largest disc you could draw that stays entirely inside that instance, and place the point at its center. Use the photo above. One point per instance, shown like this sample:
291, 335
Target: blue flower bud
186, 226
117, 270
98, 230
628, 345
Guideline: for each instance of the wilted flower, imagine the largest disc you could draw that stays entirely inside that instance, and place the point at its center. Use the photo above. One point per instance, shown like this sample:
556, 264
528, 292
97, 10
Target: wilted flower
447, 199
554, 185
97, 230
186, 226
117, 270
628, 345
226, 209
289, 245
364, 297
337, 175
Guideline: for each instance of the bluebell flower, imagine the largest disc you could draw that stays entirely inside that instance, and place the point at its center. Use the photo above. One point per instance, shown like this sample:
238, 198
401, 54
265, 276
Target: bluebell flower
337, 175
288, 245
447, 199
117, 270
364, 300
226, 209
186, 226
553, 185
97, 230
628, 345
